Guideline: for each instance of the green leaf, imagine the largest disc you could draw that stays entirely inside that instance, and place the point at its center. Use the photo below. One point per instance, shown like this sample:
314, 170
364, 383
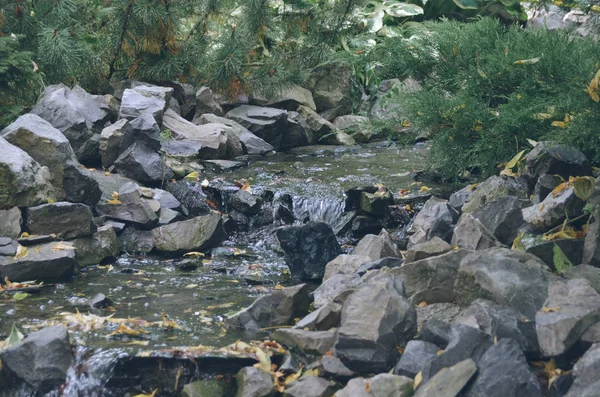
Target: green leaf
468, 4
19, 296
14, 338
561, 262
584, 187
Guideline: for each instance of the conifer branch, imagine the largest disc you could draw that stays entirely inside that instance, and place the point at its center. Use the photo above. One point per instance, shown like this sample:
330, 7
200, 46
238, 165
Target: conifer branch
111, 68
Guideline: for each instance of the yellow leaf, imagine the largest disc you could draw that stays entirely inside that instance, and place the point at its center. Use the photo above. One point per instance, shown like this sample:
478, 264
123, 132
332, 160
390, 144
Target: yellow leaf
440, 352
192, 176
62, 246
153, 394
279, 286
293, 377
583, 186
515, 160
560, 188
194, 254
21, 252
115, 195
24, 234
204, 183
424, 189
113, 202
472, 187
532, 142
595, 97
264, 361
422, 304
454, 51
126, 330
550, 309
311, 372
418, 380
527, 61
560, 124
567, 233
107, 173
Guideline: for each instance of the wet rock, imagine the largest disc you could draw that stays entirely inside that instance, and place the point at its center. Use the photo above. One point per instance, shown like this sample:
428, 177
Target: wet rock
245, 202
435, 318
224, 165
382, 385
472, 235
561, 385
544, 186
142, 164
66, 220
587, 272
100, 246
494, 188
266, 123
212, 137
10, 223
290, 363
136, 241
384, 107
110, 141
308, 249
278, 308
359, 126
100, 301
250, 142
139, 214
431, 280
322, 130
206, 103
289, 98
459, 198
345, 264
145, 99
552, 211
207, 388
353, 196
23, 182
191, 197
504, 372
512, 278
448, 382
414, 358
503, 217
377, 247
375, 319
322, 319
199, 233
572, 306
376, 204
587, 374
336, 289
397, 216
330, 87
388, 262
332, 367
308, 342
118, 227
591, 247
362, 225
167, 216
36, 239
144, 130
436, 219
41, 359
310, 386
572, 248
554, 159
254, 382
44, 263
8, 247
434, 247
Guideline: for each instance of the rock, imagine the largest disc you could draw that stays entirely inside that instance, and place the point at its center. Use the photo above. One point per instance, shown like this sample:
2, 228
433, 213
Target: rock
388, 262
544, 186
10, 223
9, 247
100, 246
44, 263
254, 382
206, 103
554, 159
212, 137
50, 148
448, 382
376, 204
289, 98
551, 17
436, 219
591, 247
310, 386
136, 241
266, 123
332, 367
199, 233
360, 127
66, 220
167, 216
494, 188
377, 247
110, 141
431, 280
77, 114
42, 359
223, 165
322, 319
308, 249
145, 99
436, 317
504, 372
459, 198
572, 248
142, 164
561, 385
345, 264
586, 374
308, 342
436, 331
382, 385
298, 133
385, 105
145, 130
207, 388
23, 182
572, 306
139, 214
250, 142
109, 183
316, 123
414, 358
245, 202
278, 308
375, 319
503, 217
587, 272
472, 235
330, 87
434, 247
100, 301
552, 211
512, 278
336, 289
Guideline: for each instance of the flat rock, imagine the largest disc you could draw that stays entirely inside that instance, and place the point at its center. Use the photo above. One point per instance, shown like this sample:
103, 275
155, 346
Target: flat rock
42, 263
199, 233
65, 220
10, 223
345, 264
377, 247
382, 385
139, 214
494, 188
470, 234
310, 386
448, 382
308, 342
265, 122
415, 356
145, 99
250, 142
212, 137
434, 247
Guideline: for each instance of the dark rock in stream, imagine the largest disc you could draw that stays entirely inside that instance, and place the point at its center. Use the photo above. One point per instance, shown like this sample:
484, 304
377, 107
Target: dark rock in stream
199, 233
43, 263
387, 385
254, 382
66, 220
310, 386
191, 197
136, 241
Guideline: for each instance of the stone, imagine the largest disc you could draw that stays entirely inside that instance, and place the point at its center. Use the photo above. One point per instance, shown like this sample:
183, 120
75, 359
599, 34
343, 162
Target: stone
191, 196
245, 202
436, 331
316, 123
503, 217
437, 317
167, 216
377, 247
332, 367
503, 371
78, 115
278, 308
142, 164
388, 262
202, 232
42, 263
9, 247
550, 18
136, 241
330, 86
254, 382
322, 319
470, 234
145, 99
448, 382
308, 342
586, 373
434, 247
139, 214
591, 246
100, 246
250, 142
207, 388
494, 188
436, 219
145, 130
65, 220
110, 142
100, 301
298, 133
385, 106
553, 210
264, 122
50, 148
459, 198
109, 183
359, 126
23, 182
336, 289
42, 359
289, 98
560, 385
345, 264
310, 386
572, 248
362, 225
206, 103
415, 356
431, 280
544, 186
212, 137
382, 385
10, 223
376, 204
587, 272
308, 249
512, 278
376, 318
571, 308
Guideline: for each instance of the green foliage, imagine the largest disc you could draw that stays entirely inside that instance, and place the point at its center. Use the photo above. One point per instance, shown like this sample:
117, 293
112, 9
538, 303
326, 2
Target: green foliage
561, 262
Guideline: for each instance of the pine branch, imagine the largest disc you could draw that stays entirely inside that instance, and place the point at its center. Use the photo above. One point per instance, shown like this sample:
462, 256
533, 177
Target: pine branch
111, 68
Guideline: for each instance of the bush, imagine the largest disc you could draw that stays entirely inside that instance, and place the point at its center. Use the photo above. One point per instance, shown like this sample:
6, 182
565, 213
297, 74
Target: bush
489, 88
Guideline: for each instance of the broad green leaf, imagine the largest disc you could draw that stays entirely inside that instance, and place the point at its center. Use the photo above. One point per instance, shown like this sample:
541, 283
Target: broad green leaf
515, 160
468, 4
14, 338
561, 262
19, 296
584, 187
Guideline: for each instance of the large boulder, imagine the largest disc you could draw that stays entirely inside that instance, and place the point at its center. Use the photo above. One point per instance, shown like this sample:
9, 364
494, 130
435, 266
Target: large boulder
250, 142
436, 219
308, 249
494, 188
587, 374
145, 99
553, 210
212, 137
141, 163
512, 278
11, 222
23, 182
65, 220
254, 382
46, 262
198, 233
330, 85
377, 247
289, 98
375, 319
266, 123
42, 359
382, 385
100, 246
472, 235
503, 217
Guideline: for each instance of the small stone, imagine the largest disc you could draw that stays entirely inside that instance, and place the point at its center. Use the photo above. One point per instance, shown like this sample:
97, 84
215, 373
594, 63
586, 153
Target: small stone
382, 385
449, 381
434, 247
472, 235
100, 301
377, 247
254, 382
344, 264
416, 355
322, 319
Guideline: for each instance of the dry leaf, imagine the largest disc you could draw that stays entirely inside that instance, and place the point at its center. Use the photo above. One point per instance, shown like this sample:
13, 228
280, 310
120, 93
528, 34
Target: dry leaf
194, 254
126, 330
418, 380
21, 252
424, 189
153, 394
527, 61
422, 304
550, 309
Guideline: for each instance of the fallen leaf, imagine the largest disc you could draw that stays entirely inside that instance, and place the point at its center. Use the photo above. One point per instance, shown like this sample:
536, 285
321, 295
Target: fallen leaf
293, 377
264, 361
194, 254
418, 380
21, 252
424, 189
527, 61
153, 394
25, 234
422, 304
192, 176
126, 330
532, 142
550, 309
19, 296
62, 246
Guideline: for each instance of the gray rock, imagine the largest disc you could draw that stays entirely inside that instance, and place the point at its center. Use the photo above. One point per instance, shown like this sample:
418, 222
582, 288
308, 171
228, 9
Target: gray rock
345, 264
310, 386
308, 342
42, 263
199, 233
109, 183
382, 385
266, 123
142, 164
571, 247
332, 367
167, 216
166, 199
23, 182
100, 246
289, 98
322, 319
191, 197
550, 17
434, 247
359, 127
376, 204
145, 99
385, 107
308, 249
9, 247
254, 382
436, 219
571, 308
434, 321
139, 214
587, 374
587, 272
591, 247
144, 129
278, 308
10, 223
110, 141
545, 184
414, 358
503, 217
245, 202
66, 220
375, 319
330, 87
207, 388
377, 247
136, 241
494, 188
448, 382
459, 198
553, 210
512, 278
42, 359
472, 235
336, 289
388, 262
206, 103
212, 137
322, 130
298, 133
